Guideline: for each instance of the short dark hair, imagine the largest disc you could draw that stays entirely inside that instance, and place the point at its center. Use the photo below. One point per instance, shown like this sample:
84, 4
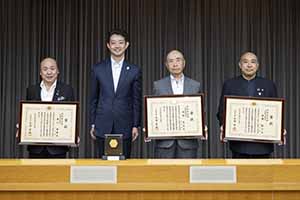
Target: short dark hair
179, 51
248, 52
117, 32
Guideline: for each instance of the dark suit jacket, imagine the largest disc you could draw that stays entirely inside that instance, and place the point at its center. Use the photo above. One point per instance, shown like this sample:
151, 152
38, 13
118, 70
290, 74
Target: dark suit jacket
238, 86
164, 87
120, 110
62, 92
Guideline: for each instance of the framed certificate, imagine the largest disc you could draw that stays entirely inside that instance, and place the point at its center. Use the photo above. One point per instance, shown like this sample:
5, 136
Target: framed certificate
253, 119
48, 123
176, 116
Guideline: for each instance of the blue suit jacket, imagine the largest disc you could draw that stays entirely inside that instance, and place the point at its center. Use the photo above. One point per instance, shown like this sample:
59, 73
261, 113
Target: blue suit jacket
120, 110
238, 86
62, 92
164, 87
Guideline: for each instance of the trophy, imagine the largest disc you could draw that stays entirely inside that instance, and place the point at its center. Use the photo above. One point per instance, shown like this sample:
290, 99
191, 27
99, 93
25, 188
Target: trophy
113, 147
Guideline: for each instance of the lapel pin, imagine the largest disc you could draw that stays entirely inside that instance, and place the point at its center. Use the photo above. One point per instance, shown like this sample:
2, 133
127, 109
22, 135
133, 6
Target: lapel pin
61, 98
127, 68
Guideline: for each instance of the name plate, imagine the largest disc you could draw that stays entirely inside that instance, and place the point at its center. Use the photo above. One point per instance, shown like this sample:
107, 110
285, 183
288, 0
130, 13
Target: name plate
93, 174
175, 116
253, 119
50, 123
213, 174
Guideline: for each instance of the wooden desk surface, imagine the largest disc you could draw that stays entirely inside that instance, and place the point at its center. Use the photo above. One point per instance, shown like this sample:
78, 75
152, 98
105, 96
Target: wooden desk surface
148, 162
149, 174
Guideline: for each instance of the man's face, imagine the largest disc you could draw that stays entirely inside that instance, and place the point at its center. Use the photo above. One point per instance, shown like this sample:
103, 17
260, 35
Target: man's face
249, 65
175, 63
117, 45
49, 71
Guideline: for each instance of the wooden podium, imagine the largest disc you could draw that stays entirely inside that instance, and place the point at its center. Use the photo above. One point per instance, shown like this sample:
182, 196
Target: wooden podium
149, 179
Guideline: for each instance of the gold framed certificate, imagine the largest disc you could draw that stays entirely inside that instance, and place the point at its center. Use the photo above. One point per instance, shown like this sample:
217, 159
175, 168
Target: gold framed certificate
48, 123
175, 116
253, 119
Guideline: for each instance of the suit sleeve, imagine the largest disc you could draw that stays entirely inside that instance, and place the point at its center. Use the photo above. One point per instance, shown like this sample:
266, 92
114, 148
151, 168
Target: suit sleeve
137, 99
154, 89
70, 93
199, 87
275, 94
94, 96
29, 94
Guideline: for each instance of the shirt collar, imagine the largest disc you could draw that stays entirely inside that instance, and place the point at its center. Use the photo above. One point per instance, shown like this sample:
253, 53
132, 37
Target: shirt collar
113, 62
43, 86
248, 80
173, 78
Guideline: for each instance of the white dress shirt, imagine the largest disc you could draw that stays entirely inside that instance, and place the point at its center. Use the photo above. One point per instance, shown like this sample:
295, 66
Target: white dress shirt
47, 95
177, 85
116, 68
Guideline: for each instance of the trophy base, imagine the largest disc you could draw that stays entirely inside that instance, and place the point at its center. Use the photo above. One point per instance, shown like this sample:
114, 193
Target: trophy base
122, 157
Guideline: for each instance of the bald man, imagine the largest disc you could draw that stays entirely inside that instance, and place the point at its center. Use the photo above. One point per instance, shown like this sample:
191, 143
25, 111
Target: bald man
49, 89
248, 84
176, 83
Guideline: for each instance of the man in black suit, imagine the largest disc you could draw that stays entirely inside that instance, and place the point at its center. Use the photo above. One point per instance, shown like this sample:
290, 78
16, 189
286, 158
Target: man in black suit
116, 95
50, 89
247, 84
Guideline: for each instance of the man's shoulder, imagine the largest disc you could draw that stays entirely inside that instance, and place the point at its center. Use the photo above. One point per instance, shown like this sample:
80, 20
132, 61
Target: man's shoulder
33, 86
101, 63
233, 79
264, 80
63, 85
162, 80
267, 83
233, 82
192, 81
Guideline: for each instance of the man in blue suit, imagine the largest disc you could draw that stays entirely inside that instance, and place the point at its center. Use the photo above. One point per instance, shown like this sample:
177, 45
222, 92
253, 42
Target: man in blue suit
176, 83
50, 89
248, 84
116, 95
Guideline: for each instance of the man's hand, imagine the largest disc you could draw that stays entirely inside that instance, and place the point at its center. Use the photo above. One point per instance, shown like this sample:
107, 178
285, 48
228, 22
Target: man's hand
221, 134
145, 138
206, 133
17, 130
92, 133
284, 138
78, 141
135, 133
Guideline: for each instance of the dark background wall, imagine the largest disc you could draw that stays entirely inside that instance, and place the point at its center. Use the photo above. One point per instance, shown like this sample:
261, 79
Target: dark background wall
211, 33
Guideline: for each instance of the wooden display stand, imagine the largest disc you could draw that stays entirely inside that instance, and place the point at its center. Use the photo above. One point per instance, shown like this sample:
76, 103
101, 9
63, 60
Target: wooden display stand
149, 179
